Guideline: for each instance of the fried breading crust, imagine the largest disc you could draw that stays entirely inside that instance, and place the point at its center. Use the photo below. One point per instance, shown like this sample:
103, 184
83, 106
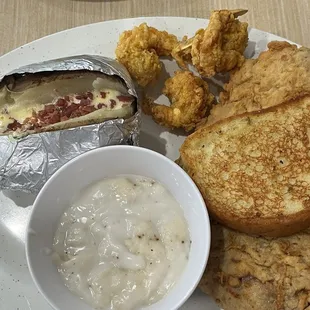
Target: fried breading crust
219, 48
257, 273
139, 50
278, 75
190, 101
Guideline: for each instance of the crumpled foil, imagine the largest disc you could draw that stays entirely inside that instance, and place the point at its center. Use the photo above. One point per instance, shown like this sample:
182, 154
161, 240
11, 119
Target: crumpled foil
27, 163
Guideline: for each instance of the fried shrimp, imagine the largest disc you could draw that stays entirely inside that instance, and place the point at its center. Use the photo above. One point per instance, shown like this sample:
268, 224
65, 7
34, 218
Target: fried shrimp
190, 101
139, 50
219, 48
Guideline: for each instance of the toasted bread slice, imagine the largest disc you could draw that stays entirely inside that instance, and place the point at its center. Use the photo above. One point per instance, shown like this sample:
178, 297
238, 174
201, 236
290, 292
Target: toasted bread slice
254, 169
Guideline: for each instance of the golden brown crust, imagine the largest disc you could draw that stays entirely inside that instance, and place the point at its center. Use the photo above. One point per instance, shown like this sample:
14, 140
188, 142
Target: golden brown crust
218, 48
278, 75
254, 169
221, 46
246, 272
139, 50
190, 101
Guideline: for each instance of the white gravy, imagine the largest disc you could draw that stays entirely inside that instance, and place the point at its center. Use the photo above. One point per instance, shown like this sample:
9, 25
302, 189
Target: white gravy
122, 244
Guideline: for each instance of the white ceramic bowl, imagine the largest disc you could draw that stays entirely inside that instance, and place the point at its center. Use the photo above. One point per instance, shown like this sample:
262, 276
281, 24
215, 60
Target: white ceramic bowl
93, 166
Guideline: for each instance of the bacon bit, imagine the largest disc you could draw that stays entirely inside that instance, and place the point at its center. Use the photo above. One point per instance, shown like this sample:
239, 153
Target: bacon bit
78, 97
85, 102
42, 113
68, 111
53, 118
67, 98
64, 118
49, 108
61, 102
90, 95
103, 94
88, 109
76, 113
100, 105
85, 96
13, 126
124, 98
113, 103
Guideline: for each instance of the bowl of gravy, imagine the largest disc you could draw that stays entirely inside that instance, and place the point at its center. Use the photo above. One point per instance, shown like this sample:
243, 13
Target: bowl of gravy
118, 228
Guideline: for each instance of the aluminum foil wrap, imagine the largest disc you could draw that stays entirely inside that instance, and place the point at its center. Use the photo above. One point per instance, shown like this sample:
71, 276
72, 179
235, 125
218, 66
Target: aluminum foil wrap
27, 163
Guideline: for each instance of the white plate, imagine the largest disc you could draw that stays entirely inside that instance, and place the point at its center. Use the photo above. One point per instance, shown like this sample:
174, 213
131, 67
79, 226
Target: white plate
17, 290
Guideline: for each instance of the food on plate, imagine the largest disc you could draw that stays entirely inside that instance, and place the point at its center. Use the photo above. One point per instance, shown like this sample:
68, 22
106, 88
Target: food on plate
253, 169
246, 272
122, 244
219, 48
278, 75
139, 50
190, 102
58, 100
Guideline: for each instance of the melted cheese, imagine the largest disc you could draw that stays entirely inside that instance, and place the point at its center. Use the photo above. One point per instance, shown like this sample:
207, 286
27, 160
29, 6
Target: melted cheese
22, 110
4, 122
21, 105
110, 95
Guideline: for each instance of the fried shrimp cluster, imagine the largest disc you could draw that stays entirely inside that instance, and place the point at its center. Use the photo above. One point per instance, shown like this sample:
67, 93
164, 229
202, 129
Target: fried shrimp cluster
190, 101
139, 50
219, 48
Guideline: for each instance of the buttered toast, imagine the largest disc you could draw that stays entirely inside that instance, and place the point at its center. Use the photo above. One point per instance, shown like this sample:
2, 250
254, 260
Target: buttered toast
253, 170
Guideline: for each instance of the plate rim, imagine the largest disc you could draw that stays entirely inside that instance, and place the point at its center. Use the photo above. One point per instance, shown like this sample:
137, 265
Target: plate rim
141, 18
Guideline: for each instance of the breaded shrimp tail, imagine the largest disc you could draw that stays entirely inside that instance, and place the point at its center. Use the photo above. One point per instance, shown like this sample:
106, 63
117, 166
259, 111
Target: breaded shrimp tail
217, 49
190, 101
